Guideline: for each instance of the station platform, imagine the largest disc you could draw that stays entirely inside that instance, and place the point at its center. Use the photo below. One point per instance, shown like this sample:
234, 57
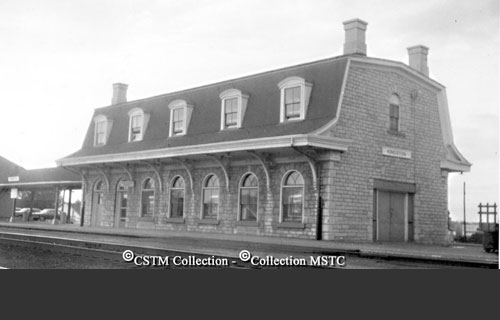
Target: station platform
231, 244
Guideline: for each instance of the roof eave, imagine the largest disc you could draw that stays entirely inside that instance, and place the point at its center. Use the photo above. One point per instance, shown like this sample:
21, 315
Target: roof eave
39, 184
300, 140
455, 166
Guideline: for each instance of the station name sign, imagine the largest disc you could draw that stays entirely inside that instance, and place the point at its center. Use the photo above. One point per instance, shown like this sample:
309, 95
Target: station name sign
13, 179
398, 153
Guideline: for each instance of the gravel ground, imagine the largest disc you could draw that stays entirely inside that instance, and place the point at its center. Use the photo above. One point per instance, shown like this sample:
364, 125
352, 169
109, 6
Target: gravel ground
42, 257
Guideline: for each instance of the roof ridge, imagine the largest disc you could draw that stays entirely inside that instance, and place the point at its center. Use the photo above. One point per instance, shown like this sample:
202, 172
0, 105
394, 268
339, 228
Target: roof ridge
250, 76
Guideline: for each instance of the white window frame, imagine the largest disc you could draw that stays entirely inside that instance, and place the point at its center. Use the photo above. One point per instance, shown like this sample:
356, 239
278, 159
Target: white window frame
283, 180
242, 101
107, 129
188, 110
143, 123
183, 120
305, 95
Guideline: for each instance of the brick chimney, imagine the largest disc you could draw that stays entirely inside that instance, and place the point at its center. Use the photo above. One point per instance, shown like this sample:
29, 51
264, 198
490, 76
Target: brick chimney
355, 30
119, 93
417, 58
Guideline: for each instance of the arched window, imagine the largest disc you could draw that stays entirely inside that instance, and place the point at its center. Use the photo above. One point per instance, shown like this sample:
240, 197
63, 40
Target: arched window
98, 193
177, 198
292, 197
210, 197
148, 198
249, 192
394, 113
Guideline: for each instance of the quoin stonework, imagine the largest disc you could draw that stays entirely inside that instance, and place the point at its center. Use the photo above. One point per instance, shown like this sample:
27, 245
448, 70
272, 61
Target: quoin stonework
350, 148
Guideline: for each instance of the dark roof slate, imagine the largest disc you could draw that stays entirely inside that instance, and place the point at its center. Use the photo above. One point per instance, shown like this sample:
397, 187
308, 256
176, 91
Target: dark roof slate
261, 118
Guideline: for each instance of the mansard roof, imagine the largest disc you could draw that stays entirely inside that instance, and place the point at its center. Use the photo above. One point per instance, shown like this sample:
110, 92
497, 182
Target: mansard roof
262, 117
261, 126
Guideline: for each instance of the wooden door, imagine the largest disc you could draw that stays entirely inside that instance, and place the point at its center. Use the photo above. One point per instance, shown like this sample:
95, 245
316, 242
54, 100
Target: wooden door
391, 211
121, 206
97, 205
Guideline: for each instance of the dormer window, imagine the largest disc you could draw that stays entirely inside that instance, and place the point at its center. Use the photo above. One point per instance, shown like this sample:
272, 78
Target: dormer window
177, 121
136, 128
295, 95
100, 133
292, 103
231, 112
180, 117
102, 128
233, 107
137, 124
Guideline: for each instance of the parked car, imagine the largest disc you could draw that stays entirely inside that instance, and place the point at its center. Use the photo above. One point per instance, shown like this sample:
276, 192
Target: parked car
46, 214
22, 211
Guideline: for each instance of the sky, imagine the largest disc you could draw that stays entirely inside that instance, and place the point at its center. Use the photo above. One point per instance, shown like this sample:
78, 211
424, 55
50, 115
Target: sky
59, 59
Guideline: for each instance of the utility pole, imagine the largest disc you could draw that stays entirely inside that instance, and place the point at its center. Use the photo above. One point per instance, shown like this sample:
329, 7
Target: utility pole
465, 227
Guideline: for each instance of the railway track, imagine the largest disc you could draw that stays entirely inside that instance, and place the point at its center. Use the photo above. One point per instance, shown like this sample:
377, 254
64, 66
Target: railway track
30, 250
73, 253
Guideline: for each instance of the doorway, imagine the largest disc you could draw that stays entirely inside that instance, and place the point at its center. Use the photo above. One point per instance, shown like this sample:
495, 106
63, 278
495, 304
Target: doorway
121, 204
393, 216
97, 204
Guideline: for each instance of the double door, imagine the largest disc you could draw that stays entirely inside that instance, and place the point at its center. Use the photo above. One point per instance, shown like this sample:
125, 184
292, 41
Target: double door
394, 216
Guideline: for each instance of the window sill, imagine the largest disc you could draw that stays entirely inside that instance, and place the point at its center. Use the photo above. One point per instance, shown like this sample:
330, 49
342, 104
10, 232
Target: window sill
284, 122
146, 219
208, 221
177, 135
291, 225
396, 133
229, 129
242, 223
179, 220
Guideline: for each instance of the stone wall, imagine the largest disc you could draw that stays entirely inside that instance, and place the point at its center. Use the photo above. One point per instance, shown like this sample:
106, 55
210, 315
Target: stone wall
364, 118
268, 223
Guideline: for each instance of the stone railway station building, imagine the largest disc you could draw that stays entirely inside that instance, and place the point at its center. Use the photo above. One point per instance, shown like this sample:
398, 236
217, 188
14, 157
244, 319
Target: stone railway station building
348, 148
